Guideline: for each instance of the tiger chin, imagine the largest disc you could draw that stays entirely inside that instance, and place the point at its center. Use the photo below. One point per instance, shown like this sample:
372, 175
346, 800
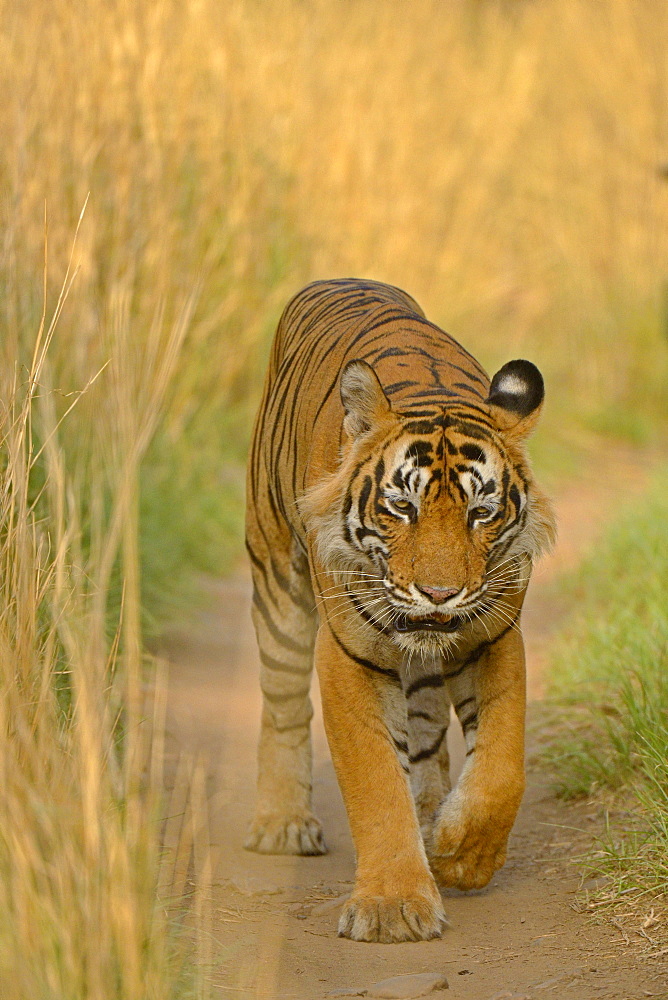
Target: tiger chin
392, 523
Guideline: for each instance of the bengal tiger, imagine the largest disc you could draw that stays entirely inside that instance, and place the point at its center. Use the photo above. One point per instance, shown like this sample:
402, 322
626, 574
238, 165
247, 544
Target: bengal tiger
392, 522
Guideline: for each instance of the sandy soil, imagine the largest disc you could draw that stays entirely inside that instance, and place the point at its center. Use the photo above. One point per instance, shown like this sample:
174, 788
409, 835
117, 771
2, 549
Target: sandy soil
274, 918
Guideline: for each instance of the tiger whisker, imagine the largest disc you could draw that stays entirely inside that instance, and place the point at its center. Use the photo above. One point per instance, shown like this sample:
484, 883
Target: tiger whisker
503, 576
351, 593
500, 602
354, 583
505, 618
501, 571
484, 625
349, 583
371, 603
349, 610
357, 573
385, 614
504, 581
504, 562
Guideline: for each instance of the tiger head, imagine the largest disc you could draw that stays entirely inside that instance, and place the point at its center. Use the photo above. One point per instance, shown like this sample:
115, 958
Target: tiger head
432, 512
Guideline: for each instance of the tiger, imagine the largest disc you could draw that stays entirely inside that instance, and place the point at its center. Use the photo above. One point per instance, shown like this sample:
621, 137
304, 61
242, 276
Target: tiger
392, 523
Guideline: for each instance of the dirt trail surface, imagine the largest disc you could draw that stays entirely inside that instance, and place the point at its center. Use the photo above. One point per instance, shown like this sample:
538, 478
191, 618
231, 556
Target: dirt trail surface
275, 918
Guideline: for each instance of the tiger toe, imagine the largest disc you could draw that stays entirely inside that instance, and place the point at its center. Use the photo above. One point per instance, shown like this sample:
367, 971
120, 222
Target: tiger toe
296, 834
390, 921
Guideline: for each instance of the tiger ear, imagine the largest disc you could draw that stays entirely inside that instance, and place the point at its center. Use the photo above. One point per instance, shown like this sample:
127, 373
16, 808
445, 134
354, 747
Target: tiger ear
516, 398
363, 398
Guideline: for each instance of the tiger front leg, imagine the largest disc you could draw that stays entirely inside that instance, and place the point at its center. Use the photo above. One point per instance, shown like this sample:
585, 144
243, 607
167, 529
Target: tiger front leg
395, 896
475, 820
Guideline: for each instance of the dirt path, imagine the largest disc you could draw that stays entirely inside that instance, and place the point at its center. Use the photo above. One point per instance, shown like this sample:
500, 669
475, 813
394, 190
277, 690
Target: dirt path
275, 917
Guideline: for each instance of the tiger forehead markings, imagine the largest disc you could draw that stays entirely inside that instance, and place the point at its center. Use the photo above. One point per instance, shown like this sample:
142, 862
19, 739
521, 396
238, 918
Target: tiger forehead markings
392, 522
420, 473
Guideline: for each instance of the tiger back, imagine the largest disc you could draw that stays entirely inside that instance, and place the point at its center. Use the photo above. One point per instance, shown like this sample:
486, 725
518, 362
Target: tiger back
392, 523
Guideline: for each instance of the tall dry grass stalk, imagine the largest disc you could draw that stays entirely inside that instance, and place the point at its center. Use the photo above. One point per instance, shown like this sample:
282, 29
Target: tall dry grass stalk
504, 161
81, 713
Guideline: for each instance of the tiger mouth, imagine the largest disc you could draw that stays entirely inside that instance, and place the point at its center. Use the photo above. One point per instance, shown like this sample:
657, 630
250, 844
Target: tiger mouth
434, 623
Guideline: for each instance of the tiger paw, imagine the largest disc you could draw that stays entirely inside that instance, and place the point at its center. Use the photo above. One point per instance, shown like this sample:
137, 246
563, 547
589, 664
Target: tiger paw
390, 921
471, 866
468, 846
294, 834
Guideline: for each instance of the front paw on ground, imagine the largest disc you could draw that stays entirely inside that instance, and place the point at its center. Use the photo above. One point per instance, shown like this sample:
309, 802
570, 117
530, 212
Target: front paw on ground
388, 921
294, 834
466, 870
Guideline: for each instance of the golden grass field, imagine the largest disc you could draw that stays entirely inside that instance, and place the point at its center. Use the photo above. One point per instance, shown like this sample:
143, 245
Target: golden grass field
504, 161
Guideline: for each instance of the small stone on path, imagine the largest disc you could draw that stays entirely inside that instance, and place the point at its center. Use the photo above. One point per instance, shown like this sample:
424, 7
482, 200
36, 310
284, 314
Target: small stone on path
408, 987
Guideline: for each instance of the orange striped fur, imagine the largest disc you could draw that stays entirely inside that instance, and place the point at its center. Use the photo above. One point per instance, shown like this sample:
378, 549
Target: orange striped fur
392, 524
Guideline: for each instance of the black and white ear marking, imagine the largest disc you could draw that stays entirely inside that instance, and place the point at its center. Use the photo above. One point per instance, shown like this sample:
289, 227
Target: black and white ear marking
516, 395
517, 387
363, 398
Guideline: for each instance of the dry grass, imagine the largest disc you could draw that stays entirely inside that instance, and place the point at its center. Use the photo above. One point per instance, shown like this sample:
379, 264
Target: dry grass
504, 161
81, 740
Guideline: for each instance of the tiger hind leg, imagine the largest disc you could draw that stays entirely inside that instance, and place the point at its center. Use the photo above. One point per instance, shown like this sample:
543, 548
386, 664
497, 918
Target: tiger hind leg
284, 620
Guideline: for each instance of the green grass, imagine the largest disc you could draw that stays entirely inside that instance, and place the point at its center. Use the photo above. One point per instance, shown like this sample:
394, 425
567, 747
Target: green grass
610, 675
191, 521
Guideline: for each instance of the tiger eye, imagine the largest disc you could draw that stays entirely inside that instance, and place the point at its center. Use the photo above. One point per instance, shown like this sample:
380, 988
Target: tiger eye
403, 506
478, 513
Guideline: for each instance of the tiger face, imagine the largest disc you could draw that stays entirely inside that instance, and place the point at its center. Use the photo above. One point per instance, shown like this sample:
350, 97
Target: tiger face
432, 516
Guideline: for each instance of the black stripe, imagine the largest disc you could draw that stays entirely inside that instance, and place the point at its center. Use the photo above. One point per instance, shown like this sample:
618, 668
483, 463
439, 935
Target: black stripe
398, 386
428, 681
385, 671
418, 713
278, 699
479, 650
280, 579
468, 429
431, 750
284, 668
460, 669
363, 499
290, 726
274, 631
363, 613
469, 721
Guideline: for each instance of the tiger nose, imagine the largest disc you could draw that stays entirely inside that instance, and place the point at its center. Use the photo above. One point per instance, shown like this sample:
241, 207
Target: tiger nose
435, 594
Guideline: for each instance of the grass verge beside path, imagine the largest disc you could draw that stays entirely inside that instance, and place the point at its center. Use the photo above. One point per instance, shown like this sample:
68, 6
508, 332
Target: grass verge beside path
610, 674
92, 890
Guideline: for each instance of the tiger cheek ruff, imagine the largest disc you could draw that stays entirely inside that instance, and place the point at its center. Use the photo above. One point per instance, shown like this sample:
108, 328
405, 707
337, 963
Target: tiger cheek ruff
392, 523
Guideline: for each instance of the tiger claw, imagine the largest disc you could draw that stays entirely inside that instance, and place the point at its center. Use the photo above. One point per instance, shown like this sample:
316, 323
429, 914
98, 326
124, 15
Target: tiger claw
374, 918
286, 835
